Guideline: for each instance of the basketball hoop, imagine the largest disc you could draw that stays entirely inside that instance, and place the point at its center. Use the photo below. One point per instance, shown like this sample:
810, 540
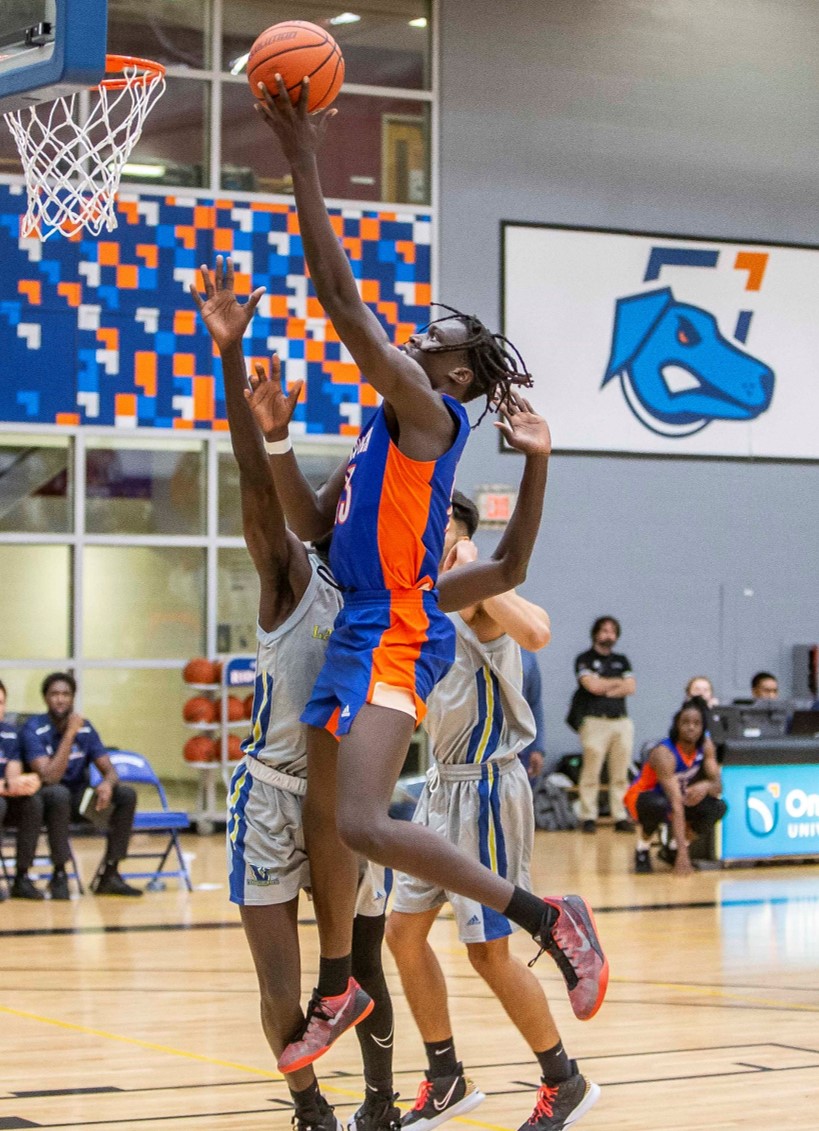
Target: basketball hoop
73, 167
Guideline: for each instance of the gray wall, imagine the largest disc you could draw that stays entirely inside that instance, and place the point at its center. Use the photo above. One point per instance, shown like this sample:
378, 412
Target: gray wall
692, 116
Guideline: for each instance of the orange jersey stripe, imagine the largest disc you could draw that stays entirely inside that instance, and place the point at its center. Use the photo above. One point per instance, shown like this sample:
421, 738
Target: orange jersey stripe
406, 497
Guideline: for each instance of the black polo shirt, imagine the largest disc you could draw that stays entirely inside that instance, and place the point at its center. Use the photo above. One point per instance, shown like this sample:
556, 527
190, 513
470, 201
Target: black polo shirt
613, 666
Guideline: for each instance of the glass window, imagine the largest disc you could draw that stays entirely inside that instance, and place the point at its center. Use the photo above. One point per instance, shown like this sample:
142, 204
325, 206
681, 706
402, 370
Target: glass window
173, 33
35, 601
143, 602
35, 479
173, 147
317, 462
376, 149
238, 604
23, 696
141, 710
144, 487
384, 42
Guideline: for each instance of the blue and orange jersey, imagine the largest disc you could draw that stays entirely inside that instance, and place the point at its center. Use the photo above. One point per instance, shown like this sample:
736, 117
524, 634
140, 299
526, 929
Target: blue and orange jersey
393, 511
686, 769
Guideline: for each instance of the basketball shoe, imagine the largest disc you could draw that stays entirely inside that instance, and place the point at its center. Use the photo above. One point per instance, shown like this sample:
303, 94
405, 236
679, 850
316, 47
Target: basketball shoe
377, 1113
562, 1105
442, 1098
322, 1119
327, 1018
572, 942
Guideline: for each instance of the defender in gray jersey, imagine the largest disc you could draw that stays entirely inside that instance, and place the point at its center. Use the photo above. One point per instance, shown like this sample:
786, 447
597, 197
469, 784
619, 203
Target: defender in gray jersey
266, 854
478, 795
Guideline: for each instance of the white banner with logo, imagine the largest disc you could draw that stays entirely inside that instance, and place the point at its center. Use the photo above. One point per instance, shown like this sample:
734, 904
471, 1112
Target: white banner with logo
647, 343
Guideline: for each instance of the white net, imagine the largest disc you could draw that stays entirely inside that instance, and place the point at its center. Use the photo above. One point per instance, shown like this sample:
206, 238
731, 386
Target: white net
73, 167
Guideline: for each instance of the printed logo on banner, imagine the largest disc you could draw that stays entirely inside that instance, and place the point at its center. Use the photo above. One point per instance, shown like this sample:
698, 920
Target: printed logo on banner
762, 808
677, 370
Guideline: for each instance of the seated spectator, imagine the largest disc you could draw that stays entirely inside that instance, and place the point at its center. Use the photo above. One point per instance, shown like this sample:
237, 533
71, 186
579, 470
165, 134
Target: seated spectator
534, 755
20, 806
765, 686
679, 784
700, 687
60, 746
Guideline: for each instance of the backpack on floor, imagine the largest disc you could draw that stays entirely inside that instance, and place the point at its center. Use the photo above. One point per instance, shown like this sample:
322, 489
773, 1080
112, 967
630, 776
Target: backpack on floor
553, 810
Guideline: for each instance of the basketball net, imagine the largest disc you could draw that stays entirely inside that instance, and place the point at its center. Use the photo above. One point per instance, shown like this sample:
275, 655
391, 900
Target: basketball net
72, 167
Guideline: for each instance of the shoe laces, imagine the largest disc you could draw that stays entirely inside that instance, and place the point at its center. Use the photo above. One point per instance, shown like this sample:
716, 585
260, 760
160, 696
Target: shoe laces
546, 1097
557, 953
424, 1092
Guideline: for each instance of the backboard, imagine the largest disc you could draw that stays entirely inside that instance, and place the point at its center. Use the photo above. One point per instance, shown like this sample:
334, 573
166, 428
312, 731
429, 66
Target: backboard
50, 48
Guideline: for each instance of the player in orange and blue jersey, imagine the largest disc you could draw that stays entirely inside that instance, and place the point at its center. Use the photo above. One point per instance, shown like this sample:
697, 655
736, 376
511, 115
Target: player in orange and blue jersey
391, 643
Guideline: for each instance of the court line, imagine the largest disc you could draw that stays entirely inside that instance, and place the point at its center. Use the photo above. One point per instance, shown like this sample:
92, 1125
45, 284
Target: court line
170, 1050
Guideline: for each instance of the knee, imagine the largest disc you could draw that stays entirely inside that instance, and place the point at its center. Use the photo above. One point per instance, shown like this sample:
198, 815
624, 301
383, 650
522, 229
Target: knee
398, 940
362, 834
124, 796
55, 797
485, 958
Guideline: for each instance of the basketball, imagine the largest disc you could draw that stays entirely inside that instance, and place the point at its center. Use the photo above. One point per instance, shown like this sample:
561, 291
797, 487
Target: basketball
235, 751
249, 706
199, 710
295, 49
235, 708
198, 670
198, 749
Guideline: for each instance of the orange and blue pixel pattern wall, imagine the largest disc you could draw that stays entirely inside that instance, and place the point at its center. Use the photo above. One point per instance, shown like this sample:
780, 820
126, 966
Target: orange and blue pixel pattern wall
103, 331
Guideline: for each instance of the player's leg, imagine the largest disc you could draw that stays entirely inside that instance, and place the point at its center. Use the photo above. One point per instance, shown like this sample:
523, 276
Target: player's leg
109, 881
652, 810
445, 1091
564, 1095
595, 742
27, 814
370, 759
57, 820
376, 1032
272, 935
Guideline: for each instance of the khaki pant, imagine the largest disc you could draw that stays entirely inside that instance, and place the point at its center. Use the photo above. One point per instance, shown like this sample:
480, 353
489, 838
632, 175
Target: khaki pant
601, 739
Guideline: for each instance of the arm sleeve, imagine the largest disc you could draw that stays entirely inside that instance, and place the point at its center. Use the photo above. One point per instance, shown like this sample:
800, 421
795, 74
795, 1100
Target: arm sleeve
581, 666
95, 748
628, 672
12, 751
31, 745
533, 694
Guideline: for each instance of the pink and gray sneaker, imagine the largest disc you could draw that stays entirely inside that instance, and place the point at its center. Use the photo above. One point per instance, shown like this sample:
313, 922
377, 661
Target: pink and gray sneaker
327, 1018
573, 943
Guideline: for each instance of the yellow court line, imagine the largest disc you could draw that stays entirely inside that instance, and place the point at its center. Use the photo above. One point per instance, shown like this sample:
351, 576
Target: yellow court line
171, 1051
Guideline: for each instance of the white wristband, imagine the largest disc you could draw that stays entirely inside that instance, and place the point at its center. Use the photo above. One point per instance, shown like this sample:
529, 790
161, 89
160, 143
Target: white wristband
277, 447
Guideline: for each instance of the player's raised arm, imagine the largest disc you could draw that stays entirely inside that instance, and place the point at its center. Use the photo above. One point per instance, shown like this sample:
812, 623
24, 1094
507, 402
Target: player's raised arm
394, 374
528, 433
310, 513
275, 552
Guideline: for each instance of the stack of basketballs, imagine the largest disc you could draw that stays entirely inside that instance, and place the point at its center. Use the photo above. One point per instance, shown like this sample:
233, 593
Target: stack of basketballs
205, 712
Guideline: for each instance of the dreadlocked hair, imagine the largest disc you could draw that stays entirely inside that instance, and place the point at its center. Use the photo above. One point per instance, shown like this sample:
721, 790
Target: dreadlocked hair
495, 362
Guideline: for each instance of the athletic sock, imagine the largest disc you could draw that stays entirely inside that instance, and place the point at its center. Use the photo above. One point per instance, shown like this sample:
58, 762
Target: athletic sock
555, 1066
334, 974
306, 1101
376, 1033
441, 1057
530, 912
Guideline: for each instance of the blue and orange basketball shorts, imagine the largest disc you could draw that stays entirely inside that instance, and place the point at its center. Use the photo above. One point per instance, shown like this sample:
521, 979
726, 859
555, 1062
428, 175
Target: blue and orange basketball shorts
389, 648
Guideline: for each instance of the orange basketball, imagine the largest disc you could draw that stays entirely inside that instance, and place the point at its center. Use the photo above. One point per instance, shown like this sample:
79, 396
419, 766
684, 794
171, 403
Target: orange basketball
199, 670
235, 708
295, 49
199, 710
235, 752
199, 749
249, 706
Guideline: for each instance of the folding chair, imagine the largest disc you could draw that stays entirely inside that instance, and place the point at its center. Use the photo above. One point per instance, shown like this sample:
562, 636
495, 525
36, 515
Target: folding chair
134, 769
41, 867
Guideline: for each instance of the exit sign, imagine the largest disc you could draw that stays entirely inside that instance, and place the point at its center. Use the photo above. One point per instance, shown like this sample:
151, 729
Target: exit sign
495, 504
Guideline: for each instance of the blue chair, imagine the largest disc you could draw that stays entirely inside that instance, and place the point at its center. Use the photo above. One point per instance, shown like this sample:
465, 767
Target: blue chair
134, 769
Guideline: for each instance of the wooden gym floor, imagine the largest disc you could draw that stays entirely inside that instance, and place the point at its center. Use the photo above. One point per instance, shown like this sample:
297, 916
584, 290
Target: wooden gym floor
139, 1014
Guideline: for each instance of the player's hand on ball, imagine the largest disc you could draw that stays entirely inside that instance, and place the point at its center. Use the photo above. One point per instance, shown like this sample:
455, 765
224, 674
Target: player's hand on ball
225, 317
272, 408
524, 429
299, 134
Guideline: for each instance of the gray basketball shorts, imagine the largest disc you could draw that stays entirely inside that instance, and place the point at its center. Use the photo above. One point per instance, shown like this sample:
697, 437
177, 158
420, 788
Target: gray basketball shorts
486, 810
266, 858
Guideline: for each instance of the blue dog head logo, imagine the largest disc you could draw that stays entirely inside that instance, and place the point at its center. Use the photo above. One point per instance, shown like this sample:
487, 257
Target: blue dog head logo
678, 372
761, 809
